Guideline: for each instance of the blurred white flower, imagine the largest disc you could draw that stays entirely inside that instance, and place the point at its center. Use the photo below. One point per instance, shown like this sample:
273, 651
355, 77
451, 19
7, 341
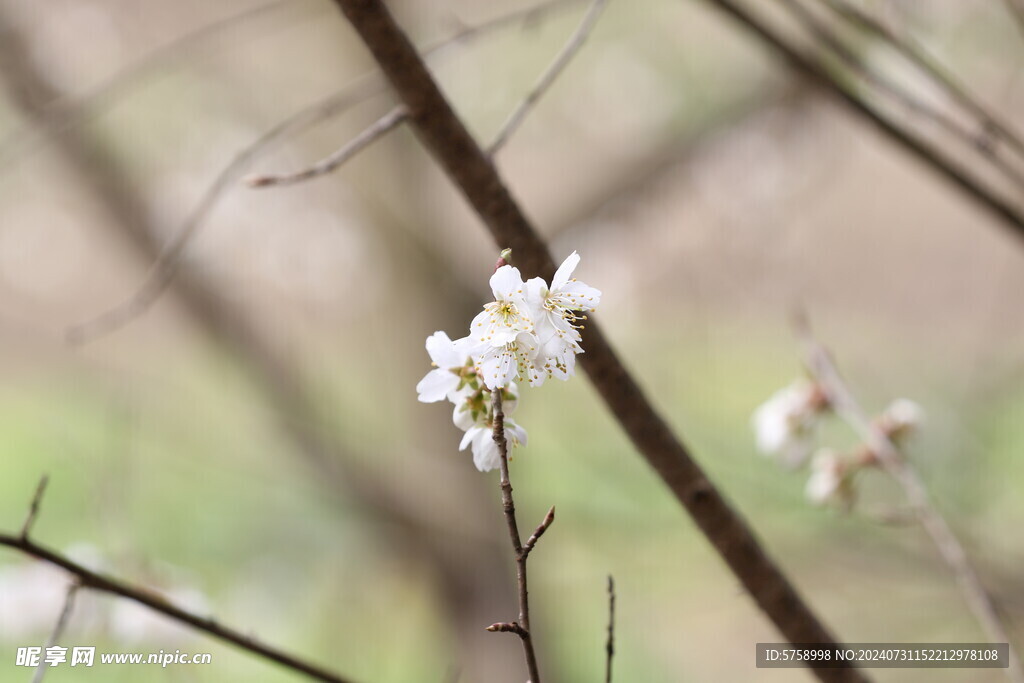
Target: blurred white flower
901, 417
784, 424
829, 480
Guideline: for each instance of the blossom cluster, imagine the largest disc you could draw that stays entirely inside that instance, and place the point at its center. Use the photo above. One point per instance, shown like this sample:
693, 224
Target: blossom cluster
785, 427
528, 334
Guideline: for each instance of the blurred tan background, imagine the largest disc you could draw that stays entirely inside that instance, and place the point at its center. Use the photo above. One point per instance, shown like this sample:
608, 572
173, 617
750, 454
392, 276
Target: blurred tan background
252, 444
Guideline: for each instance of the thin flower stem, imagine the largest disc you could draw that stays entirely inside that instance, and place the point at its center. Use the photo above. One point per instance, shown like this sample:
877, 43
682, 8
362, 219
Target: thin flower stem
842, 401
522, 627
549, 76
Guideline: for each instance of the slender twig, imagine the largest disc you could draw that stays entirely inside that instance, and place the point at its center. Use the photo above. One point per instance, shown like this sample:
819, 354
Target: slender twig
919, 56
609, 647
978, 142
548, 78
942, 164
439, 128
842, 401
539, 531
521, 627
95, 581
33, 508
58, 628
164, 267
335, 160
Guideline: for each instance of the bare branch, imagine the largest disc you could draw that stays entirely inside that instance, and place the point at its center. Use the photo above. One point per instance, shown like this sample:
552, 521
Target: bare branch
95, 581
946, 167
609, 647
842, 401
471, 170
335, 160
33, 508
522, 627
58, 629
164, 267
918, 56
162, 271
548, 78
978, 141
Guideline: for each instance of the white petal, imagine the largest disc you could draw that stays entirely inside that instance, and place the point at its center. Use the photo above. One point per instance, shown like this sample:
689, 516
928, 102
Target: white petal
514, 433
506, 283
468, 438
485, 453
564, 271
442, 351
436, 385
462, 417
498, 367
578, 296
536, 290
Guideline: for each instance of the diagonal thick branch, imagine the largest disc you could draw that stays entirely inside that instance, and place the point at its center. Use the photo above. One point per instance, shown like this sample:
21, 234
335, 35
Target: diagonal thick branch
444, 134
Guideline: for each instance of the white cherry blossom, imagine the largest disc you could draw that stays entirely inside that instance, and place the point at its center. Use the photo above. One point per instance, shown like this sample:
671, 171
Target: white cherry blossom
499, 365
902, 417
829, 481
450, 359
784, 424
486, 456
508, 315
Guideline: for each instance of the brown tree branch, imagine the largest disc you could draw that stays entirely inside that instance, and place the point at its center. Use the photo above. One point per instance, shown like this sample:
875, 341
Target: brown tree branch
932, 158
549, 76
337, 159
841, 400
521, 627
87, 578
444, 134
